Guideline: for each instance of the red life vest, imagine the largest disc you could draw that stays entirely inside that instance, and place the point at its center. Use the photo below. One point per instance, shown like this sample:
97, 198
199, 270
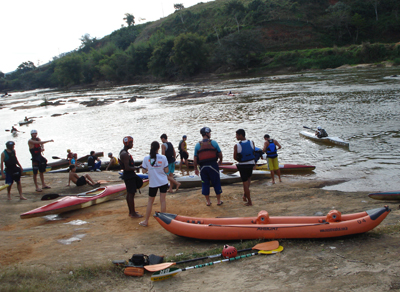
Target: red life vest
207, 152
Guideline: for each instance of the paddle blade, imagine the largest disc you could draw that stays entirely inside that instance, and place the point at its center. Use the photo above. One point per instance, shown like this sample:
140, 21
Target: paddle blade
269, 245
50, 197
56, 157
279, 249
158, 267
165, 274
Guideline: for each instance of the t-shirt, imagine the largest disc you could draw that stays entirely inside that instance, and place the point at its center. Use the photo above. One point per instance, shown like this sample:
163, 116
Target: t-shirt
157, 175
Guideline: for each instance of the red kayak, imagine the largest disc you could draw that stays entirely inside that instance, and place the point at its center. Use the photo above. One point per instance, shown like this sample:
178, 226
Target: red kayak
284, 168
79, 201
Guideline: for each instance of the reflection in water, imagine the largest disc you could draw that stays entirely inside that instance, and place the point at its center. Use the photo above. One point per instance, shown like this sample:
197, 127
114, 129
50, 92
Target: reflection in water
360, 106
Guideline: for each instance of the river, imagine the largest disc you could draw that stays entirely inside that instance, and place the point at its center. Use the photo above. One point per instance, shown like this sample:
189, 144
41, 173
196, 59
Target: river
359, 105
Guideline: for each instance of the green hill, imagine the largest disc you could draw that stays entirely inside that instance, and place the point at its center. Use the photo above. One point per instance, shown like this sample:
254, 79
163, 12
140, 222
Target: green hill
226, 36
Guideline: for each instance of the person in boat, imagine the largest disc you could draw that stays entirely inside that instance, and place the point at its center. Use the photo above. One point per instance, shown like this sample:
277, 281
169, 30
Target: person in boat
13, 169
129, 176
244, 154
94, 163
39, 163
69, 155
321, 133
168, 150
113, 161
208, 156
158, 167
183, 153
14, 129
80, 181
270, 148
26, 119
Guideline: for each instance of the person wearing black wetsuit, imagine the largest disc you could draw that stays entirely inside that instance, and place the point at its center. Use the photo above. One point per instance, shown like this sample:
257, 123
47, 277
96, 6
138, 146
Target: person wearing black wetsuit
39, 163
13, 169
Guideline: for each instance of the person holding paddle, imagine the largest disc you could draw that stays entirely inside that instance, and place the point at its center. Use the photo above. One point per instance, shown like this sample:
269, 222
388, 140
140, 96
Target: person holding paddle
13, 169
39, 163
321, 133
157, 167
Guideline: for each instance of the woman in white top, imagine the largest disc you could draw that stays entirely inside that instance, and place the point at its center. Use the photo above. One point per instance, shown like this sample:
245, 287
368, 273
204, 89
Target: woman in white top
157, 167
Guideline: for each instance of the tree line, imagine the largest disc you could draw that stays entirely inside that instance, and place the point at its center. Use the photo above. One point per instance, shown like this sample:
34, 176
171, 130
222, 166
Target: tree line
224, 36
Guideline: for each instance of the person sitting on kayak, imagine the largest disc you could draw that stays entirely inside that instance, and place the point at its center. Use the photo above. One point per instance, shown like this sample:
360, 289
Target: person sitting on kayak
80, 181
70, 154
321, 133
94, 162
113, 161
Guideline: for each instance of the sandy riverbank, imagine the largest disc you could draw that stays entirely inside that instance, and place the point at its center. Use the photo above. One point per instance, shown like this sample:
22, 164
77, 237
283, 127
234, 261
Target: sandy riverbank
367, 262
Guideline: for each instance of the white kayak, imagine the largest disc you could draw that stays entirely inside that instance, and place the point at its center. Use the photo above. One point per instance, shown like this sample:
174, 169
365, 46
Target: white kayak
329, 140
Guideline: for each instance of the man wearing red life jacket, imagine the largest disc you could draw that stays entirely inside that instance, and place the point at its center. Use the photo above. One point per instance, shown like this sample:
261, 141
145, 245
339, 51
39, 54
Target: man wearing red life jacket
208, 156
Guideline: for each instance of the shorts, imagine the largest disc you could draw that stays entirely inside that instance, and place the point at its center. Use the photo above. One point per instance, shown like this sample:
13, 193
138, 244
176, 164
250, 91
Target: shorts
245, 170
37, 166
81, 181
130, 185
10, 178
153, 191
184, 155
273, 163
171, 168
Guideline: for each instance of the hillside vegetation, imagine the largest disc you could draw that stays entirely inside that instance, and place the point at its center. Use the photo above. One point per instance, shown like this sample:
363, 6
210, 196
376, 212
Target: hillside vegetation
225, 36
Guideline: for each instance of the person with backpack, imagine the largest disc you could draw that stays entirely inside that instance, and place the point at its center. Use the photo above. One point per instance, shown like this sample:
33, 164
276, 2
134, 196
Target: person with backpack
270, 148
244, 154
168, 150
183, 153
13, 169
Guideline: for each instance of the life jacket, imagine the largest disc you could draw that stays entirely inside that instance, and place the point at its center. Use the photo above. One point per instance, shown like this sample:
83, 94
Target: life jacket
180, 145
271, 149
207, 152
322, 133
128, 174
258, 153
10, 161
247, 152
169, 152
36, 153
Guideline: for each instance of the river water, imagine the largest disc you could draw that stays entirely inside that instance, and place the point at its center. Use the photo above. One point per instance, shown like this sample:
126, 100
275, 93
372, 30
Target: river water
359, 105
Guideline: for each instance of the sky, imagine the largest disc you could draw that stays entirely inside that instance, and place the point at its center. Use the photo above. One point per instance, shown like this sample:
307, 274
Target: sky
39, 30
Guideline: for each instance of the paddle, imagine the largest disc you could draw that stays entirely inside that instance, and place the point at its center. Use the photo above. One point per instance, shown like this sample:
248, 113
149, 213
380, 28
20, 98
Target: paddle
171, 272
309, 128
56, 157
270, 245
4, 187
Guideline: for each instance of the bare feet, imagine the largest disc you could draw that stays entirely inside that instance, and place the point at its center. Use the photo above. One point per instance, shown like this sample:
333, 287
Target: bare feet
38, 190
136, 215
9, 197
280, 180
248, 204
273, 182
169, 191
177, 187
244, 198
143, 223
22, 198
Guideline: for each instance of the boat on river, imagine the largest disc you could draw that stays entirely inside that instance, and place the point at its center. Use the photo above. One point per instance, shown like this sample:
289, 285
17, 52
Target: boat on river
21, 123
79, 201
393, 195
263, 226
327, 140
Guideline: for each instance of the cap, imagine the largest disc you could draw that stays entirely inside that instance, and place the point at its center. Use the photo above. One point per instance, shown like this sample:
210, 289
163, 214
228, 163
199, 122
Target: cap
33, 132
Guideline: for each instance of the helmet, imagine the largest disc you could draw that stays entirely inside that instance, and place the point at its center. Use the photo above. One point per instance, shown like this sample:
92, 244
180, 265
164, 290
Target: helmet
229, 252
205, 130
10, 145
319, 128
127, 140
184, 136
33, 132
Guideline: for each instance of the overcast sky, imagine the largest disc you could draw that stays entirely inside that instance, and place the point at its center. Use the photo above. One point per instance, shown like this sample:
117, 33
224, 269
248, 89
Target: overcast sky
39, 30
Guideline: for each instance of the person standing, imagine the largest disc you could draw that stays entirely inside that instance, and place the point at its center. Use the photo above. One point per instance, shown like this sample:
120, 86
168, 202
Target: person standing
13, 169
94, 163
244, 154
39, 163
129, 175
168, 150
270, 148
157, 167
183, 153
208, 156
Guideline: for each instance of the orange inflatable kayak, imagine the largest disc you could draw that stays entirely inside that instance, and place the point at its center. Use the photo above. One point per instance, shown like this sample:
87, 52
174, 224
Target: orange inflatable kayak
334, 224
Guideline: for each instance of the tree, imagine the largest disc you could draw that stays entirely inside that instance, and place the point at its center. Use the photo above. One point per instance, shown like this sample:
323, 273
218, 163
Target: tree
236, 9
179, 7
375, 4
339, 18
189, 53
68, 70
1, 74
86, 42
160, 63
130, 19
26, 66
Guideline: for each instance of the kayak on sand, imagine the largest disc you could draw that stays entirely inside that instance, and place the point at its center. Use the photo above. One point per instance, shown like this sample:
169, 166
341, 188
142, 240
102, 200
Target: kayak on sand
394, 195
334, 224
284, 168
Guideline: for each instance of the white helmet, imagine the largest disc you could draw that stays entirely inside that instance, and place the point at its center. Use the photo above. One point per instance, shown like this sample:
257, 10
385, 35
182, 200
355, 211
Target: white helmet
33, 132
319, 128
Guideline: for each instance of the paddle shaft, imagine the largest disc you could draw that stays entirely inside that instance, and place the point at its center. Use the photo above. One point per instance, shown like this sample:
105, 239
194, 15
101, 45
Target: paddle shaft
168, 273
308, 128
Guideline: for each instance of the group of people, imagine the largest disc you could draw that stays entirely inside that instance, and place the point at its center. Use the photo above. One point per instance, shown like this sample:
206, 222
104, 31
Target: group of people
207, 159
